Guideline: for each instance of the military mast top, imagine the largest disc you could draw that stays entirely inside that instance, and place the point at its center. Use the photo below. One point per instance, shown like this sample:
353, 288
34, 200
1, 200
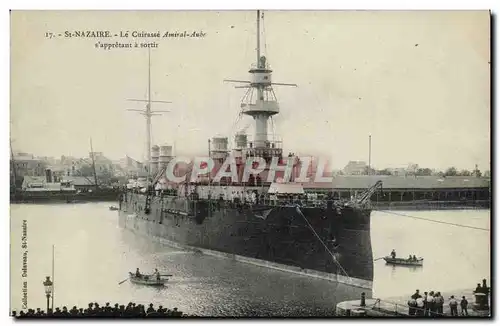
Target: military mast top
260, 103
148, 113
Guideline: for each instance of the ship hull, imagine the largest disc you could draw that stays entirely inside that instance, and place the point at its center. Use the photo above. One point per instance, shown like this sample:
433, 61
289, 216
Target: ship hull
279, 238
58, 197
42, 197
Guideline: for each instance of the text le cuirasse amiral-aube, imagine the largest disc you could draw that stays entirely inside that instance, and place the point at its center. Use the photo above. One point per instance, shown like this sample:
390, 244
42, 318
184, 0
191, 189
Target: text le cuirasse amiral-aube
132, 34
125, 39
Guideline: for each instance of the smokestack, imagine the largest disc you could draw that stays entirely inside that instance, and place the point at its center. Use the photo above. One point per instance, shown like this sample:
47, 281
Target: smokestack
48, 176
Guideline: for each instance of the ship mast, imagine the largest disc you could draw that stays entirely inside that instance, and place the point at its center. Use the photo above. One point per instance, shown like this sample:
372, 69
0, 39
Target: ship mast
14, 169
148, 113
258, 37
93, 163
262, 106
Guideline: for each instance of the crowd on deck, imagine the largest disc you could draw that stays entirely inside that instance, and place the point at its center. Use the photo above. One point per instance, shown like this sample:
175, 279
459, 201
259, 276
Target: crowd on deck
432, 303
132, 310
247, 197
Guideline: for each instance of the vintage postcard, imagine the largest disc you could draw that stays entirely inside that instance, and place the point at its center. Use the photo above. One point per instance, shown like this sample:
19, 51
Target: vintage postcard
181, 164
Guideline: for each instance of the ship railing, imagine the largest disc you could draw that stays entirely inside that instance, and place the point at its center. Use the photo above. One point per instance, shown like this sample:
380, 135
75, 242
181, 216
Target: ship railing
267, 201
274, 203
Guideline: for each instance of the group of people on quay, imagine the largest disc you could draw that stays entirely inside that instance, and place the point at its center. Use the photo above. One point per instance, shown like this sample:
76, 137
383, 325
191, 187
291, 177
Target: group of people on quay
131, 310
429, 304
432, 303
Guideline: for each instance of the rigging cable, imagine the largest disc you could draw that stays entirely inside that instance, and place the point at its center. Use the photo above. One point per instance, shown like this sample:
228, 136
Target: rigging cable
324, 245
264, 34
435, 221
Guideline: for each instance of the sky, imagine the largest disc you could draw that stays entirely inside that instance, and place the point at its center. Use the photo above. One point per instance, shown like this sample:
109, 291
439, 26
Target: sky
417, 82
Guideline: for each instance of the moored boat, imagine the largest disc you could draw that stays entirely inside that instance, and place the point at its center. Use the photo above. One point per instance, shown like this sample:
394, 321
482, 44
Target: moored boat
113, 208
404, 261
147, 280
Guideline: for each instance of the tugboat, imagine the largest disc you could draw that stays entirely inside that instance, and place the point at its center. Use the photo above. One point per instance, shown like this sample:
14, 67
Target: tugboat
238, 219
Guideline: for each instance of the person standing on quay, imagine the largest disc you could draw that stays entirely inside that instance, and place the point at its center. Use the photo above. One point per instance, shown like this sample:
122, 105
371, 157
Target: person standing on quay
453, 306
439, 303
426, 306
463, 305
420, 306
431, 304
412, 304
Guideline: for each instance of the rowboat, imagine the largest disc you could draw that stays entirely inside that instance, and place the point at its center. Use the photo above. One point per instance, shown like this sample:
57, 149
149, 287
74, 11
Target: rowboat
147, 280
113, 208
404, 261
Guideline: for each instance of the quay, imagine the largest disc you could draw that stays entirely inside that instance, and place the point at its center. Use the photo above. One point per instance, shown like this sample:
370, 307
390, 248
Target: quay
479, 306
412, 192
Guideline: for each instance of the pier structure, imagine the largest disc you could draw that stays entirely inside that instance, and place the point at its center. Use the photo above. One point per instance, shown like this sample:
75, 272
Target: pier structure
424, 192
398, 306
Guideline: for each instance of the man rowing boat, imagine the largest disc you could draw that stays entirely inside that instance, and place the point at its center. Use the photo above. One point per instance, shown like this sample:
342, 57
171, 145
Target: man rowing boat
157, 274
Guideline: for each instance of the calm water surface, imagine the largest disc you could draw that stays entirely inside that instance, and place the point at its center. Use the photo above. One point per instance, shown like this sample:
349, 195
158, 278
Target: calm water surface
454, 257
93, 255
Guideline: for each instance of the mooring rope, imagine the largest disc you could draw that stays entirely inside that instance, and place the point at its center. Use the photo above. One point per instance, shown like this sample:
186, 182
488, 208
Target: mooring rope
435, 221
324, 245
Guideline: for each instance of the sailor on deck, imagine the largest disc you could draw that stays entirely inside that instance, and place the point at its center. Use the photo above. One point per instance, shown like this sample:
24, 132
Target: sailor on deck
253, 197
137, 273
393, 253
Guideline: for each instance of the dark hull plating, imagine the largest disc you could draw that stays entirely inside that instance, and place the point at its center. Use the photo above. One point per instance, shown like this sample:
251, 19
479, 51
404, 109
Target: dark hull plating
48, 197
283, 237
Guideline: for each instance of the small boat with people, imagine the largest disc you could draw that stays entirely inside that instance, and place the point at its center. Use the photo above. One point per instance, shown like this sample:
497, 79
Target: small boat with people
113, 208
404, 261
412, 260
155, 279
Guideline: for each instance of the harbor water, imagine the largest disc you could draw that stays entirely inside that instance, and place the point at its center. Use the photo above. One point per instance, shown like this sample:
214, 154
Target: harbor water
92, 255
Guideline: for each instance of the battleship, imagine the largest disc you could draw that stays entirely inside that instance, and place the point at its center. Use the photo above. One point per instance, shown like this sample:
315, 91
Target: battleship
277, 227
